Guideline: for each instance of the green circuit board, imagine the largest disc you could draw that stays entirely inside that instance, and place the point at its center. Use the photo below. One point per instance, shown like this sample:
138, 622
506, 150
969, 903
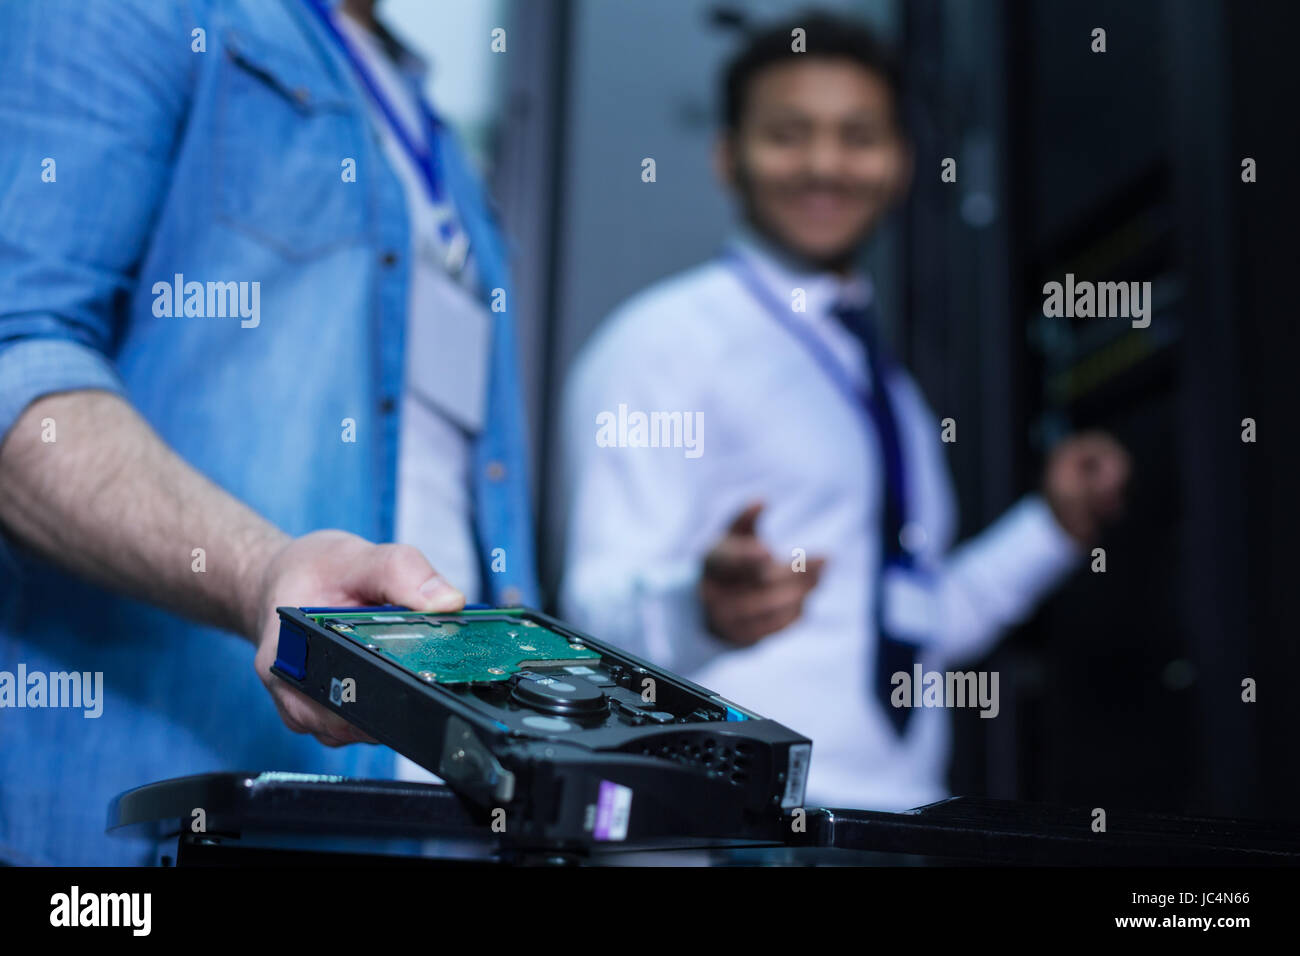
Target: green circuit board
459, 648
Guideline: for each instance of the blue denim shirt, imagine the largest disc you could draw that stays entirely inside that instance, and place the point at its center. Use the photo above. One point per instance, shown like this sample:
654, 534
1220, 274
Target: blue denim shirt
221, 165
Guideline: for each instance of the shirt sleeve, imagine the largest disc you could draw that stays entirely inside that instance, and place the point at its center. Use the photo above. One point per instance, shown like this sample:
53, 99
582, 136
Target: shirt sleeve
633, 543
994, 580
91, 102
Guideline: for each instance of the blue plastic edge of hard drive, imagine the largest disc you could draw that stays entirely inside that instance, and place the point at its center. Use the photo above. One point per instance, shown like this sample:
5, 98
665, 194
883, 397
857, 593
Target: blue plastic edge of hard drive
291, 651
733, 714
346, 610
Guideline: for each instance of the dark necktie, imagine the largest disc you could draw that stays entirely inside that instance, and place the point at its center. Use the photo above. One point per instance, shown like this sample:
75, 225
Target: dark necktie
893, 654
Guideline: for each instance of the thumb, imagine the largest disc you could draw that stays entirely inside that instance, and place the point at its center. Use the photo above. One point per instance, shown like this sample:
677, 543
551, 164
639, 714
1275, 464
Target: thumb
746, 523
401, 574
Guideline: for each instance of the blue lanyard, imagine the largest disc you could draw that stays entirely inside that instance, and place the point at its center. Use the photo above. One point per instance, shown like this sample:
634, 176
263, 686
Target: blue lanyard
873, 406
859, 398
425, 159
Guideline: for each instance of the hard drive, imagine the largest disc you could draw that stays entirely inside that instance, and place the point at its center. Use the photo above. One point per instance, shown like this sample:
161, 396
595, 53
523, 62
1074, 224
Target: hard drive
557, 738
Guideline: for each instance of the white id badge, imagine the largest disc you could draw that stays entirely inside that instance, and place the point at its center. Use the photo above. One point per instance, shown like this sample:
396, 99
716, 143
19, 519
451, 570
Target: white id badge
448, 344
909, 604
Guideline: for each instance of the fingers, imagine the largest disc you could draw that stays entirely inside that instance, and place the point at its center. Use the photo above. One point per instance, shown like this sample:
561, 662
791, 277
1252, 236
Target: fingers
745, 618
745, 524
743, 614
1085, 483
1104, 471
1111, 472
775, 574
327, 568
738, 560
751, 630
1101, 454
401, 574
304, 716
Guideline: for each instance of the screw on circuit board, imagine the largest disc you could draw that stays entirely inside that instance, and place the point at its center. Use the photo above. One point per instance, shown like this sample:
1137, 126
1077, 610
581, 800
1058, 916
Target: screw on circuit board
429, 676
527, 647
372, 647
512, 633
577, 647
495, 670
530, 624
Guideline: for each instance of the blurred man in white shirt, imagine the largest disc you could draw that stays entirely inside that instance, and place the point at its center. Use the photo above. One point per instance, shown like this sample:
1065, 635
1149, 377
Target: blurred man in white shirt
795, 554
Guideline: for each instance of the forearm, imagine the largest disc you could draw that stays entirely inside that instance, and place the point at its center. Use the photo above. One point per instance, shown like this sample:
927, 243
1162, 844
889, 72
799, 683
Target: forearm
110, 502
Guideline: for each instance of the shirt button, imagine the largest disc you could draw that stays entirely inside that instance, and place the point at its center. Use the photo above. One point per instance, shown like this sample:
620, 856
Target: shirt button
389, 258
512, 595
912, 537
387, 405
302, 95
495, 471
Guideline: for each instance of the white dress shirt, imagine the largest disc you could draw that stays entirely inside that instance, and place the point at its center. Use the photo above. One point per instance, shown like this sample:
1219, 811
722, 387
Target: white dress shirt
776, 430
446, 358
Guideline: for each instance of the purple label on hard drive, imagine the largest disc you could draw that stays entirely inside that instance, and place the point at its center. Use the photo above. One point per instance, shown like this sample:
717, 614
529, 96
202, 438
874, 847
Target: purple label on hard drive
613, 808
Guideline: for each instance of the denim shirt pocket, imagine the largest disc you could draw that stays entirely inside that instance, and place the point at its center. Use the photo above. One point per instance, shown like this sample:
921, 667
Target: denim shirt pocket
285, 129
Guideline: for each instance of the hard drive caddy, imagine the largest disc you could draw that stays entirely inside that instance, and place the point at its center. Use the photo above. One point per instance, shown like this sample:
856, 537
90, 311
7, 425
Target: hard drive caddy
557, 738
